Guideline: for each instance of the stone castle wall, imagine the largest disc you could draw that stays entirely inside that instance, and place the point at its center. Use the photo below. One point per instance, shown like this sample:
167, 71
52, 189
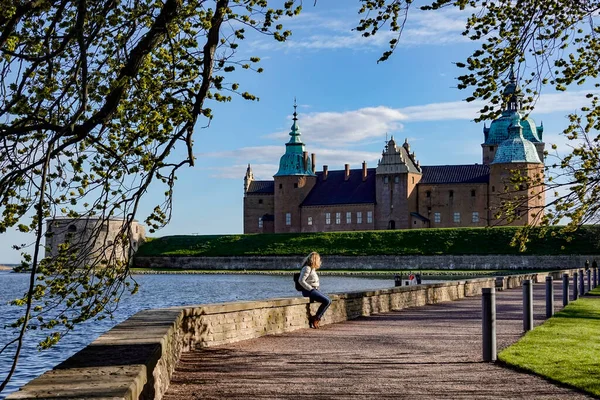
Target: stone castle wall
379, 263
80, 231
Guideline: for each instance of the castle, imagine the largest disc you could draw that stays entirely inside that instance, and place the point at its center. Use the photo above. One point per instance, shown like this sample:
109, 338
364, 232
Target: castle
400, 193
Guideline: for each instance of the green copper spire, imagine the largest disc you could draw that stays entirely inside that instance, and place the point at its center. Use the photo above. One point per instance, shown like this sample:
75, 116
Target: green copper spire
498, 130
293, 162
295, 129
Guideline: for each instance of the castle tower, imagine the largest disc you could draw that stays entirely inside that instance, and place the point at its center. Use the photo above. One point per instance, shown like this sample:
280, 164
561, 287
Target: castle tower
498, 130
516, 157
398, 172
293, 181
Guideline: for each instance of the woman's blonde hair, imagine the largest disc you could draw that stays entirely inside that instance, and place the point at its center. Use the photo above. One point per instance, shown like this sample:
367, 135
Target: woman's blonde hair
313, 260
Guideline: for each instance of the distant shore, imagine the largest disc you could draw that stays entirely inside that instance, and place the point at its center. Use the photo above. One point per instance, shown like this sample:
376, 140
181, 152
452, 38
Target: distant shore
5, 268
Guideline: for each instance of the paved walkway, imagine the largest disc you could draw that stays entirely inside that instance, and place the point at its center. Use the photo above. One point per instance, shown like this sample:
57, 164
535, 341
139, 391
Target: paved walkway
429, 352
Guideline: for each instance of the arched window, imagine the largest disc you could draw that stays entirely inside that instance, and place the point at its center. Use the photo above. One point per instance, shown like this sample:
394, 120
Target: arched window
392, 224
72, 229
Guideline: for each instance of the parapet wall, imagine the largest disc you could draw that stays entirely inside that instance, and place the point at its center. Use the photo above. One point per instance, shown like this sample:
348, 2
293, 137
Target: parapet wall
135, 359
380, 263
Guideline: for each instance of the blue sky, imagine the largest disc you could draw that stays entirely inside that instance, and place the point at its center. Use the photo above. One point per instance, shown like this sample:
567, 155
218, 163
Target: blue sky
347, 105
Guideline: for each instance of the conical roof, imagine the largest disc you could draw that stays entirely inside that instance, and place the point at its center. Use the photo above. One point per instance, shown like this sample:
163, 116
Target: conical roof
516, 149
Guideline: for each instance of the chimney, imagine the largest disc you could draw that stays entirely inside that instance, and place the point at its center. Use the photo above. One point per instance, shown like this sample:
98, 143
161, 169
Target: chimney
364, 172
324, 172
314, 162
346, 171
305, 159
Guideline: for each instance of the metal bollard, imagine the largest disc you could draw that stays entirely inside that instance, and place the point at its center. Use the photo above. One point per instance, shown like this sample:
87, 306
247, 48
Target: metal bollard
565, 289
589, 279
488, 323
581, 287
575, 292
549, 297
527, 305
397, 280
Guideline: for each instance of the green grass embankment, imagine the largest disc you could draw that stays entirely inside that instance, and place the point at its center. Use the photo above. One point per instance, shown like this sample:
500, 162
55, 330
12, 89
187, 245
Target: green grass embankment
566, 348
366, 243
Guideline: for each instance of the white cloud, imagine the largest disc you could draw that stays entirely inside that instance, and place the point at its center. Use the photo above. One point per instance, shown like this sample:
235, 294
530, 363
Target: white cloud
334, 158
571, 101
256, 154
346, 127
237, 171
313, 31
442, 111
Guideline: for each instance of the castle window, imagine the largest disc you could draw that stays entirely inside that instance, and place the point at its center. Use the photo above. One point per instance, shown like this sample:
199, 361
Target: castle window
413, 181
348, 217
134, 244
451, 193
72, 229
309, 220
475, 216
521, 187
437, 218
456, 217
428, 210
428, 193
359, 217
136, 228
281, 186
491, 148
288, 219
259, 201
518, 212
260, 222
295, 186
493, 188
328, 218
386, 180
472, 192
397, 179
338, 218
369, 217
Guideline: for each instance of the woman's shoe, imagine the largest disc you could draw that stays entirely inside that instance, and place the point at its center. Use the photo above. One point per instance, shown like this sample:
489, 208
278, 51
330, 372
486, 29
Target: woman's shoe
311, 322
316, 322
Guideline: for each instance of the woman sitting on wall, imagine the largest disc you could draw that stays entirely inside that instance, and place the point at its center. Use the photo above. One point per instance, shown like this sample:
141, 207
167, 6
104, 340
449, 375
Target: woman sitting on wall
309, 280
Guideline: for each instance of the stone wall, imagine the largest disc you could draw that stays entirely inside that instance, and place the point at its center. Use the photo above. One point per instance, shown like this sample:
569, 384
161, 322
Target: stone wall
135, 359
379, 263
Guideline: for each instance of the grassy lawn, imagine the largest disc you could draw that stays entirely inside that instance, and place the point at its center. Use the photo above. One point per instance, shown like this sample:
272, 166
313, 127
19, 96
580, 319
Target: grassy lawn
369, 243
566, 348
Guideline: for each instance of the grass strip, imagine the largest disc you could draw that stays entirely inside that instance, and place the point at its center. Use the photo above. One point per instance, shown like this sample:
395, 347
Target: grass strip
566, 348
445, 241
